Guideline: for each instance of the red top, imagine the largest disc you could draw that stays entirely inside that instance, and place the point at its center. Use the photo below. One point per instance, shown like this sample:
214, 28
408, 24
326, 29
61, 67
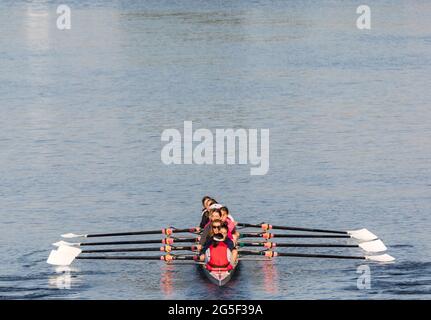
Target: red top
219, 255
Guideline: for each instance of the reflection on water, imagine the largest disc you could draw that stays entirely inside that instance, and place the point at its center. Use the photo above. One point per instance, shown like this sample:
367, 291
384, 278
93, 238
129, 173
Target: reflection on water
166, 282
64, 278
270, 277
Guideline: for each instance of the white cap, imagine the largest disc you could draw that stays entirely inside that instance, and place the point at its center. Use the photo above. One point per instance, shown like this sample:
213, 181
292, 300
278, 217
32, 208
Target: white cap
216, 206
218, 237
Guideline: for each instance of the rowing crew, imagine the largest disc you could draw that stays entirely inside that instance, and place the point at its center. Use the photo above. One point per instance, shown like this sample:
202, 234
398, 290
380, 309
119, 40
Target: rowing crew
219, 236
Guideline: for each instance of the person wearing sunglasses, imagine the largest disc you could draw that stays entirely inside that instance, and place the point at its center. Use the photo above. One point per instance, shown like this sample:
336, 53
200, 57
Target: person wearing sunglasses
219, 251
207, 230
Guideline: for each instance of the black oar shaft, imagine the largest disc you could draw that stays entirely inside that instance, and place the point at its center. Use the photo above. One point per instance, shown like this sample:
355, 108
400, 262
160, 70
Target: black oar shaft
291, 228
118, 258
329, 256
132, 258
315, 245
189, 240
271, 254
136, 233
186, 240
251, 244
137, 249
120, 234
185, 258
308, 230
296, 245
107, 243
121, 250
315, 236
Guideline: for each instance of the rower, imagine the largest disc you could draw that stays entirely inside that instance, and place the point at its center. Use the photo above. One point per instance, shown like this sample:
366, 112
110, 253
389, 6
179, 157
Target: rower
225, 210
226, 218
220, 251
207, 202
214, 215
205, 242
224, 231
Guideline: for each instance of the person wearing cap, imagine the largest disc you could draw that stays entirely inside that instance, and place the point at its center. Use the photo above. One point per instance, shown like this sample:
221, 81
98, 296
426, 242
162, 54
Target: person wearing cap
215, 206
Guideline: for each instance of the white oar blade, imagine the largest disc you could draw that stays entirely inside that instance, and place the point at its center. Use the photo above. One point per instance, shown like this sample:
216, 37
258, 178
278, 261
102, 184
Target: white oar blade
64, 243
64, 256
52, 258
73, 235
69, 250
362, 234
381, 258
373, 246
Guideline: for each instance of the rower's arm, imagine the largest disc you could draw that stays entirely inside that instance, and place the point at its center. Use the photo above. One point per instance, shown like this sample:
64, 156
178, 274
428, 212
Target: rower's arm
205, 247
204, 219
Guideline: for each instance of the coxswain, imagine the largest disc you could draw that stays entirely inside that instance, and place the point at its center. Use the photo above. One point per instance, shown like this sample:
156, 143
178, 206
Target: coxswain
219, 252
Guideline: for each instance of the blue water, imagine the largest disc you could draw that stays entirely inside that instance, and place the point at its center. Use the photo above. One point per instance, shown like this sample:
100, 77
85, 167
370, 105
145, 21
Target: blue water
82, 113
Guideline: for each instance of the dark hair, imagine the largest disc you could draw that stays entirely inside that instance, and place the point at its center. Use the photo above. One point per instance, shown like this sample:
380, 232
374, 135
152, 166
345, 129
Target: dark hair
224, 226
215, 210
212, 201
211, 232
224, 209
205, 199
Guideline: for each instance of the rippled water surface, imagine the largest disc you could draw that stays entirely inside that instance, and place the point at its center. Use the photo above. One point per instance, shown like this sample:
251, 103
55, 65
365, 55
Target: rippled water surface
82, 111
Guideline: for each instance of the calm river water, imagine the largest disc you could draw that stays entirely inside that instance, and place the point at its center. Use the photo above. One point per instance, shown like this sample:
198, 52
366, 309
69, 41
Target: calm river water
82, 112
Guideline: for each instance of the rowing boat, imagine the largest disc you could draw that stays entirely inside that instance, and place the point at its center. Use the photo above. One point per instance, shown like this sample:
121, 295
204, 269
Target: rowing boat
219, 276
67, 252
